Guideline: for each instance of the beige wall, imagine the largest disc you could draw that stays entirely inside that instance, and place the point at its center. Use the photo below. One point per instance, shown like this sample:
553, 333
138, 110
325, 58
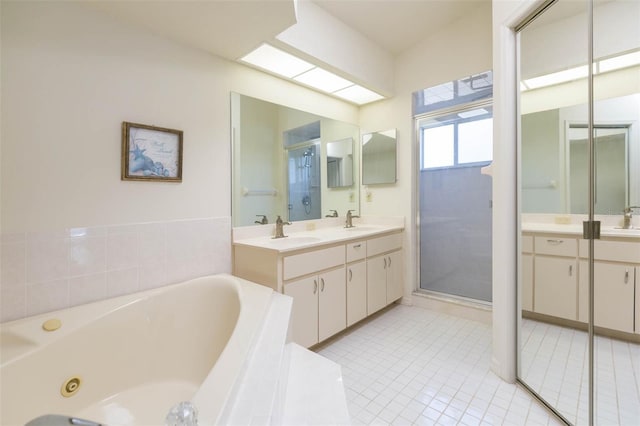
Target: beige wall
452, 53
70, 76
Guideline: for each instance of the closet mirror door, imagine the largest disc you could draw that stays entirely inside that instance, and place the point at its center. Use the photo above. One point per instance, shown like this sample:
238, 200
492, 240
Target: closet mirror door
554, 95
616, 267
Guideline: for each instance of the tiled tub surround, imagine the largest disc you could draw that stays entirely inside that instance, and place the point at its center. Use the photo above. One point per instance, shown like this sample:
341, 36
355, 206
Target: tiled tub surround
47, 271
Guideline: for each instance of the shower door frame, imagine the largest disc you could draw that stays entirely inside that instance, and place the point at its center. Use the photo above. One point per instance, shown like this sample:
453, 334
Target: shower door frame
417, 164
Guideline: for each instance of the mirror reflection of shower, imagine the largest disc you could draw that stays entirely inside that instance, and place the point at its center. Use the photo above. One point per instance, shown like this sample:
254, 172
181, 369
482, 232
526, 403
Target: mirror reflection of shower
304, 181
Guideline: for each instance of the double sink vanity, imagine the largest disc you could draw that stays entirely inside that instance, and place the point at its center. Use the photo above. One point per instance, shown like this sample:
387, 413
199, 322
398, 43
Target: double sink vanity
337, 276
556, 277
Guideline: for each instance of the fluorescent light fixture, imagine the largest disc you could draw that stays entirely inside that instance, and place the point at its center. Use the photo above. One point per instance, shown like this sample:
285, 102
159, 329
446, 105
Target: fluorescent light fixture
277, 61
558, 77
358, 95
366, 138
289, 66
523, 87
323, 80
473, 113
618, 62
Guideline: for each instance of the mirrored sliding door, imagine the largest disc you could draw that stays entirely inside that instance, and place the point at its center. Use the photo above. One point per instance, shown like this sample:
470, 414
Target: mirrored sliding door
579, 158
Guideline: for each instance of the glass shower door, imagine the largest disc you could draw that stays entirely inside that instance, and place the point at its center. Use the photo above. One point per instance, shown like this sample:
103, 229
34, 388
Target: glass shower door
303, 182
455, 202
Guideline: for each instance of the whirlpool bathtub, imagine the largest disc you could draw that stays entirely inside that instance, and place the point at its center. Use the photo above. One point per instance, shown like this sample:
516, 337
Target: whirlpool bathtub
128, 360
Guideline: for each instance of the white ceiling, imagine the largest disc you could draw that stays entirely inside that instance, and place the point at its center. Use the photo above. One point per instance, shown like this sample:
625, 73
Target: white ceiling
397, 25
233, 28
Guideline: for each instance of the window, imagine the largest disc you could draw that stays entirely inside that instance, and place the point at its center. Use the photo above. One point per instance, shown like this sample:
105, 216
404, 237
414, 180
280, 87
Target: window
457, 140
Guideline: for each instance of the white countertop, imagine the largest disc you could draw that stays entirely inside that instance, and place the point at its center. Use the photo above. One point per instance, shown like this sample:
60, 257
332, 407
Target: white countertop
297, 239
576, 229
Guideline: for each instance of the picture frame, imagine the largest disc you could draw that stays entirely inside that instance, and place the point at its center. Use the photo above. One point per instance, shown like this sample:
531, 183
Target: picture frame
151, 153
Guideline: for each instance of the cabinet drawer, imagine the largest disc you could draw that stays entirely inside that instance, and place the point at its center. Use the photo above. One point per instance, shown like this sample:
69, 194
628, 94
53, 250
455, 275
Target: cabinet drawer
313, 261
527, 244
384, 244
616, 251
556, 246
356, 251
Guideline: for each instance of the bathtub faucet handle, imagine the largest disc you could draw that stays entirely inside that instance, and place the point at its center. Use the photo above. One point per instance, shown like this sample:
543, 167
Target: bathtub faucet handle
182, 414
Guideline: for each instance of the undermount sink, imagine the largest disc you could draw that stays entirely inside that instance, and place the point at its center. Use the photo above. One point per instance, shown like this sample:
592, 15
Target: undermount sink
621, 231
357, 228
294, 240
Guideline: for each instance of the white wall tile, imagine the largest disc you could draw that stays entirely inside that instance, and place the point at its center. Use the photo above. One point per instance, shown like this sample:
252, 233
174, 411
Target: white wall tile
13, 263
87, 255
54, 270
13, 303
47, 296
122, 281
122, 247
47, 258
87, 288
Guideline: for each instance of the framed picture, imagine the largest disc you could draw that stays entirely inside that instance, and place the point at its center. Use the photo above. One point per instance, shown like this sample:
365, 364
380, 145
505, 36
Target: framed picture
151, 153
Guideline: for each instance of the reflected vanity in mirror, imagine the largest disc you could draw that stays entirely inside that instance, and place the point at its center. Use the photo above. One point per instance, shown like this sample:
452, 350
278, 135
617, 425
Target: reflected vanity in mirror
379, 157
290, 163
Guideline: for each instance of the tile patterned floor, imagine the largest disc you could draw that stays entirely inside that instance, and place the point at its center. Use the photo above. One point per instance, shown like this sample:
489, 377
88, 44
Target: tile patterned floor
412, 366
555, 363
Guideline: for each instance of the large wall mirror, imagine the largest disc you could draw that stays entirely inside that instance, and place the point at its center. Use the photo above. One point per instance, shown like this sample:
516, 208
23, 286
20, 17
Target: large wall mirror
579, 328
379, 157
290, 163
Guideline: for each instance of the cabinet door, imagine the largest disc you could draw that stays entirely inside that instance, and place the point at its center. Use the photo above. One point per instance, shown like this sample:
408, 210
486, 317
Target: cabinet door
637, 308
556, 287
583, 291
376, 283
613, 296
332, 317
527, 282
304, 321
394, 276
356, 292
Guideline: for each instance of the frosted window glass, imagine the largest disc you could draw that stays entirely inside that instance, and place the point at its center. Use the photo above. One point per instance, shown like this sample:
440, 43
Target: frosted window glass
437, 148
475, 141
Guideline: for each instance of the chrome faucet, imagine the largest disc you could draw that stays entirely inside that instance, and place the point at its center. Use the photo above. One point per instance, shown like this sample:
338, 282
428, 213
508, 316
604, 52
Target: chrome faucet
262, 221
349, 217
279, 227
334, 214
628, 213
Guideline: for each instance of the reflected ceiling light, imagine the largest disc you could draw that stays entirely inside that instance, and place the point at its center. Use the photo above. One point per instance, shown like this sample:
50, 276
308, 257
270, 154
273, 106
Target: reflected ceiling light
277, 61
323, 80
297, 70
358, 95
618, 62
558, 77
473, 113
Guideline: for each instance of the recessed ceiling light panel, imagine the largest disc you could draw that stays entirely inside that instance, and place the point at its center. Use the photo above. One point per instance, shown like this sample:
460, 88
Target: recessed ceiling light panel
323, 80
277, 61
358, 95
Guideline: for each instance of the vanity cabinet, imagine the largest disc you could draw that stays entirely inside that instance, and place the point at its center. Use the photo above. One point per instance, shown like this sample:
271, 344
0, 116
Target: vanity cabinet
615, 284
527, 273
356, 282
319, 306
558, 268
556, 277
356, 292
384, 272
332, 284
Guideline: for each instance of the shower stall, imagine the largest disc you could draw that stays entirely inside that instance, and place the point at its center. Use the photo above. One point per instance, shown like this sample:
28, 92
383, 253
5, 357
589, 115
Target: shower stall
303, 181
